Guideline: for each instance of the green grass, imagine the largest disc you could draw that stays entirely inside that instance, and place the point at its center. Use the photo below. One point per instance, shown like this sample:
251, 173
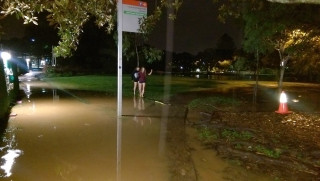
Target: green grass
233, 135
157, 86
206, 135
268, 152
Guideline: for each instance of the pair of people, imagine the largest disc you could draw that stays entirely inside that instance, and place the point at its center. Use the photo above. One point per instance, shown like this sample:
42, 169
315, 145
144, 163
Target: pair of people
139, 77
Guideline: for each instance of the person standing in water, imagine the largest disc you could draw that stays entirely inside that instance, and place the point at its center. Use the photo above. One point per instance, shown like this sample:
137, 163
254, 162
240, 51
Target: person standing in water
142, 80
135, 79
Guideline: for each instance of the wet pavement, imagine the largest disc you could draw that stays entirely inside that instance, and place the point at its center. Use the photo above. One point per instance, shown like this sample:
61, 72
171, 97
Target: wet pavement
59, 136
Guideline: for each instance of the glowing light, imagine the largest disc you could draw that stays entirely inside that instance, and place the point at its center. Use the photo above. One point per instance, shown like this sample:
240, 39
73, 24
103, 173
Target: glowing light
5, 56
9, 161
28, 60
295, 100
283, 97
28, 88
198, 70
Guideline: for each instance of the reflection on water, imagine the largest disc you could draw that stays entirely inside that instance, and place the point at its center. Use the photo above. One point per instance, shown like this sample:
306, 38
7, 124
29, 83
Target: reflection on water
9, 161
139, 115
72, 140
10, 152
62, 137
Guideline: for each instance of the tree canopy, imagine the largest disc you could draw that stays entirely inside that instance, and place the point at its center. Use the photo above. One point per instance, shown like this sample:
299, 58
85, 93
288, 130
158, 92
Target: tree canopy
69, 16
273, 26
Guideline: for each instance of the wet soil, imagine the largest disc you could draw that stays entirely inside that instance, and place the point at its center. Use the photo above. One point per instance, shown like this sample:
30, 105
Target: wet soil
253, 136
238, 142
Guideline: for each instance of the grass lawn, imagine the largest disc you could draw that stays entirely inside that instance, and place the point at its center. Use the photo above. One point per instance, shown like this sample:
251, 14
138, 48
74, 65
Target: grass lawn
155, 88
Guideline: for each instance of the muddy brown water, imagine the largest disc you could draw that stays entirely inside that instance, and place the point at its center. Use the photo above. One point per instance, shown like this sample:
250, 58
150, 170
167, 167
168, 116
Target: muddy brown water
59, 136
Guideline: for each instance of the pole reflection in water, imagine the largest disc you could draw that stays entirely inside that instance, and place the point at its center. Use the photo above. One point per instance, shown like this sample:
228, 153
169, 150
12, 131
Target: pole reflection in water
55, 96
72, 140
119, 144
11, 152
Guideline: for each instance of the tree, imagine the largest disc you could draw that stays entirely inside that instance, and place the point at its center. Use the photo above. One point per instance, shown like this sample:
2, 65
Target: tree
134, 47
70, 16
272, 26
182, 62
225, 47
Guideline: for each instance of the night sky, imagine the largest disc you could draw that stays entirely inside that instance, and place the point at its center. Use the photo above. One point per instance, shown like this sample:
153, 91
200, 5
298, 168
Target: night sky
196, 28
12, 27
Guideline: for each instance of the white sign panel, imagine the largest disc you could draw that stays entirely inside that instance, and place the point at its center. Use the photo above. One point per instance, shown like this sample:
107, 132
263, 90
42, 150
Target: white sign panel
133, 12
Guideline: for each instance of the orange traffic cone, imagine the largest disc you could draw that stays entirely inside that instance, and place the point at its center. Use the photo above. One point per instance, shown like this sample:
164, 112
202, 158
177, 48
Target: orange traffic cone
283, 107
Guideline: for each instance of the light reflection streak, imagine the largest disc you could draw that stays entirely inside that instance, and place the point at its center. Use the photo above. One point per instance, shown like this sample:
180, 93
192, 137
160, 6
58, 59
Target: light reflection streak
9, 161
119, 144
11, 153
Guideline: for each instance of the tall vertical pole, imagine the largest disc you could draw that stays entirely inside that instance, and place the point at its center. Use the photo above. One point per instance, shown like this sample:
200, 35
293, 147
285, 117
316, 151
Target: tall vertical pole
167, 79
119, 107
119, 94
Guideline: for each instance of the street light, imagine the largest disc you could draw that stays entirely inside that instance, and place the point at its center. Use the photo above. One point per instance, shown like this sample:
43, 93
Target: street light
5, 57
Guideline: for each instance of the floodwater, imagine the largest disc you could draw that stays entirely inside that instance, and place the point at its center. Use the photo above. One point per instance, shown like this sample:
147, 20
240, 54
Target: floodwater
58, 135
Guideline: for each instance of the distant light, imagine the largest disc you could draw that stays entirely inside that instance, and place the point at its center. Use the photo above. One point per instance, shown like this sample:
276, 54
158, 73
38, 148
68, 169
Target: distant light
33, 40
5, 56
181, 67
198, 70
283, 97
295, 100
28, 60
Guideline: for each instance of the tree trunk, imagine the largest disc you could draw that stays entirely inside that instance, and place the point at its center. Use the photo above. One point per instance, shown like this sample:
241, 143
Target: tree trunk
3, 92
281, 77
257, 79
137, 53
283, 63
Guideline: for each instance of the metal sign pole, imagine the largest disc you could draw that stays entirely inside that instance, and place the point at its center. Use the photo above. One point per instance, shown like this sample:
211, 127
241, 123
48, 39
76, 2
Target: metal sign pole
119, 107
119, 94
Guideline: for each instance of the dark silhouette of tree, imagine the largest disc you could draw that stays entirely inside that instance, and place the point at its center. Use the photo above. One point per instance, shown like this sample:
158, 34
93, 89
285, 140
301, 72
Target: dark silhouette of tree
182, 62
225, 47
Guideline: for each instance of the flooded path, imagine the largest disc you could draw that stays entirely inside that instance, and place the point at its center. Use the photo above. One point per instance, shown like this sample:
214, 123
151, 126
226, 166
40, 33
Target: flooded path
56, 136
73, 135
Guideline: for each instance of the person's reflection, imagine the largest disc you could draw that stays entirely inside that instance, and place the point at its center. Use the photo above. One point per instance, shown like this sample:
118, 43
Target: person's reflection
139, 107
135, 109
141, 104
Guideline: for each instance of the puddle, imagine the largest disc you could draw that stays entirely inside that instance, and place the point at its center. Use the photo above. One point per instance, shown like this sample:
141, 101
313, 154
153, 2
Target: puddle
62, 136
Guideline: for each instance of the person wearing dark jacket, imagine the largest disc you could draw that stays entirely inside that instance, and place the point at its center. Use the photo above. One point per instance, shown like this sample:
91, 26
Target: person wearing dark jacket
135, 79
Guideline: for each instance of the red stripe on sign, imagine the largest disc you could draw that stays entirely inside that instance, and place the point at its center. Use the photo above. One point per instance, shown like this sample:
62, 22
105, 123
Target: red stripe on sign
134, 3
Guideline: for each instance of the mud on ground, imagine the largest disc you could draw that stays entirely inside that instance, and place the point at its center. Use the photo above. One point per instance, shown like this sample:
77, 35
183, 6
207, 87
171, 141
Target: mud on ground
284, 146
